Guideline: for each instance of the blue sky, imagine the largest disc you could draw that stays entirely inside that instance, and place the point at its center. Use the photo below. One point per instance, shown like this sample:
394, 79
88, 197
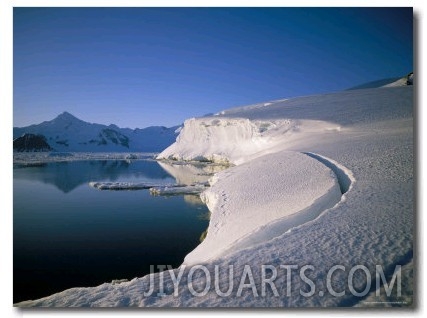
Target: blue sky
137, 67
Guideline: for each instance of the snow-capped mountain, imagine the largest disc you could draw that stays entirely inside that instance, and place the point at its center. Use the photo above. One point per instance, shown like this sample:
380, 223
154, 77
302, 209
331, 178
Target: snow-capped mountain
68, 133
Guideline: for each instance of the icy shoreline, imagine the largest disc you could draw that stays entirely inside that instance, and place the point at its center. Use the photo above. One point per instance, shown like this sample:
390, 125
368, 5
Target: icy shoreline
291, 156
155, 189
39, 158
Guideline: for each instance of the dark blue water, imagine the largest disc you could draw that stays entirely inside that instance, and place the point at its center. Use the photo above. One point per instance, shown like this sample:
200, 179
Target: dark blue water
67, 234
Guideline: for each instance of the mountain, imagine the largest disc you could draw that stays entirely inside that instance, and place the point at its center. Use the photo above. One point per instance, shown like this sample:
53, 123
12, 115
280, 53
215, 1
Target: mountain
31, 143
68, 133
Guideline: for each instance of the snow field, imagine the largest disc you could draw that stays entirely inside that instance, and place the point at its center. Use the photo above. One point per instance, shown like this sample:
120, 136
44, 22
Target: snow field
293, 182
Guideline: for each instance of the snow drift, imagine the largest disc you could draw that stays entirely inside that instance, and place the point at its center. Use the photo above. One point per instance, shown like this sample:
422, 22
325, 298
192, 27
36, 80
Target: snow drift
284, 189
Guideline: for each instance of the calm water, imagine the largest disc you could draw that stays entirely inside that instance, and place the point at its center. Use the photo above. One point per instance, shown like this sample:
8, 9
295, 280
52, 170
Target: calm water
67, 234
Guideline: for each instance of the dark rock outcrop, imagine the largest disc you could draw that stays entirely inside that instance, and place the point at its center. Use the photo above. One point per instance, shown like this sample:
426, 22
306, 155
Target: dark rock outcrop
31, 143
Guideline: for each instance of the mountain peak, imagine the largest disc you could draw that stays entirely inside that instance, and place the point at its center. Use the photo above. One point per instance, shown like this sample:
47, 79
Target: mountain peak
71, 134
66, 115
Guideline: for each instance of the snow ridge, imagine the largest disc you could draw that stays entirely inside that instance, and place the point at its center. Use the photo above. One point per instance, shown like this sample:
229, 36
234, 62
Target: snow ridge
344, 175
286, 223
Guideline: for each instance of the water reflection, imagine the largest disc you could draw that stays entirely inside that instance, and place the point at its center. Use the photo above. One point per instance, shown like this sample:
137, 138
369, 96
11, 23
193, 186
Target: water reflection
67, 176
79, 236
189, 173
193, 199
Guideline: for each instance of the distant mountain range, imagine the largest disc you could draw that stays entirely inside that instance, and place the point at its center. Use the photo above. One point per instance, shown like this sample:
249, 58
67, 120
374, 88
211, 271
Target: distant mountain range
67, 133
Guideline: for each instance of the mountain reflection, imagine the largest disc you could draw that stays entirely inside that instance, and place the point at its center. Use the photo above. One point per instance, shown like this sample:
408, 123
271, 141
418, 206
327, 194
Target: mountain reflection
67, 176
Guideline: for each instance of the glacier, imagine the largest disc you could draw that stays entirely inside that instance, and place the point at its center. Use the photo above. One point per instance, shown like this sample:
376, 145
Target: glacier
312, 181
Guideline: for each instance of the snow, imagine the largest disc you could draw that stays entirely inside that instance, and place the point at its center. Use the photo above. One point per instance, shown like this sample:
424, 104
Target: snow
236, 140
400, 82
190, 173
269, 195
122, 185
67, 133
155, 189
317, 180
178, 190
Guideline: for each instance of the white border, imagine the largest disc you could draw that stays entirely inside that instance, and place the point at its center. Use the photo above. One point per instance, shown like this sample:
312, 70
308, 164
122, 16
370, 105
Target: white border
6, 123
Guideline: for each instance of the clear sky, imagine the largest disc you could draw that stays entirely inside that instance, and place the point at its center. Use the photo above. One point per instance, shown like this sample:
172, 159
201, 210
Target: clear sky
137, 67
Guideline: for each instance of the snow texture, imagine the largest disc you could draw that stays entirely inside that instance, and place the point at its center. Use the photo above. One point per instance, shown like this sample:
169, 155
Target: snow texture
178, 190
123, 185
400, 82
319, 180
292, 183
155, 189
